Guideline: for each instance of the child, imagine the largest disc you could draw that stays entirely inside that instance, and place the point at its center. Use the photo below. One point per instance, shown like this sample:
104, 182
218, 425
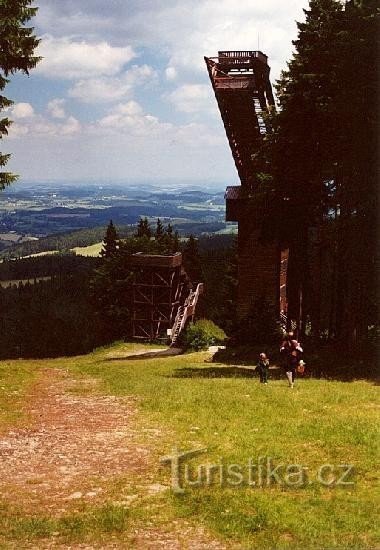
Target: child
263, 368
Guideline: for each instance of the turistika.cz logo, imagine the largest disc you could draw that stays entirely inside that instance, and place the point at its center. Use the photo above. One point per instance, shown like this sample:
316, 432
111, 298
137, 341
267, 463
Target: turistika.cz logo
257, 473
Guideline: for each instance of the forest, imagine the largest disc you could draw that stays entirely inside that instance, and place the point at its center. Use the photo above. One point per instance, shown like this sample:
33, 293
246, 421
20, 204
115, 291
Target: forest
83, 302
317, 168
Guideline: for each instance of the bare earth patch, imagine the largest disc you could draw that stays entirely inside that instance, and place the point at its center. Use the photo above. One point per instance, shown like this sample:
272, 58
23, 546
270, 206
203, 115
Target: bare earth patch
74, 451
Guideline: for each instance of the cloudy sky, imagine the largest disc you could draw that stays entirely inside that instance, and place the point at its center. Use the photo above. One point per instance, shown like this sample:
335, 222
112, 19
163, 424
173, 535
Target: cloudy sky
122, 94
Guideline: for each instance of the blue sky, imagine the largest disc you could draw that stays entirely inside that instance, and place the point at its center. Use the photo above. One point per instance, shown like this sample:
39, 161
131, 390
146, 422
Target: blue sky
122, 94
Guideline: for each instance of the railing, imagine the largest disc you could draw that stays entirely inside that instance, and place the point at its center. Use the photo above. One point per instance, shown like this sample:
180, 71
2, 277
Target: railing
239, 56
234, 82
184, 312
283, 321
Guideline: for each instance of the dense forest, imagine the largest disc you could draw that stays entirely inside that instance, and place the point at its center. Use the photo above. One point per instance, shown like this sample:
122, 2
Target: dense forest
319, 166
64, 304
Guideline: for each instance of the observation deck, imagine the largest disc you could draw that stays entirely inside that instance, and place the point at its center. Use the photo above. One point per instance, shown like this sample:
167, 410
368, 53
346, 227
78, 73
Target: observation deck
242, 88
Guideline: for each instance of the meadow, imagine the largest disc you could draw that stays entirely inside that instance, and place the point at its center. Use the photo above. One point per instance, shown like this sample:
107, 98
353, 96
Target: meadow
279, 468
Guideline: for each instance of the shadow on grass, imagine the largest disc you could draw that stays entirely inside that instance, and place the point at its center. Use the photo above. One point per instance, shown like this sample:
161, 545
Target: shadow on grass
324, 362
167, 352
223, 372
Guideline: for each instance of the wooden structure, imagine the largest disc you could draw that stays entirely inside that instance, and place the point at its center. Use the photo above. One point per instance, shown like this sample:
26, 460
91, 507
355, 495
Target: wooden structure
243, 91
163, 297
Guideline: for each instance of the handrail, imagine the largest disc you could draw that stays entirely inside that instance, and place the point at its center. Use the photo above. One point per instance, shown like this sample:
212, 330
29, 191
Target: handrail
283, 320
185, 311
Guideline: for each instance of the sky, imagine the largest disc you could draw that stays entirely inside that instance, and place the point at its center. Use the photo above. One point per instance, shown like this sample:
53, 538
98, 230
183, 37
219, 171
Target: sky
122, 93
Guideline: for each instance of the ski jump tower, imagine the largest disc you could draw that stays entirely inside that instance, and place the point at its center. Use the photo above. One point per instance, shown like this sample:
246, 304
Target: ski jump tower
242, 88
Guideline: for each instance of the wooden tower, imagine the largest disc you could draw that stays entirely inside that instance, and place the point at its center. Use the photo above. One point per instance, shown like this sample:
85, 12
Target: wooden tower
164, 299
243, 91
157, 291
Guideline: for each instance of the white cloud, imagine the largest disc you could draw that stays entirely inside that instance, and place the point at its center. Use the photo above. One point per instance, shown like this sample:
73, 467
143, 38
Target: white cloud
22, 110
70, 127
105, 89
216, 25
88, 48
42, 126
65, 58
171, 73
18, 130
192, 98
56, 109
182, 30
130, 118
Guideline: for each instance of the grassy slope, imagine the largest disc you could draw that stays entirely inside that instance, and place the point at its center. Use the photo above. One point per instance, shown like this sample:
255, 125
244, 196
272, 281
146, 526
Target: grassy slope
237, 419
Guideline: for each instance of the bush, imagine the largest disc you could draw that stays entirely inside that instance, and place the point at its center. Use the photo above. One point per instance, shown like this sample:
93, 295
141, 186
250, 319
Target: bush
202, 334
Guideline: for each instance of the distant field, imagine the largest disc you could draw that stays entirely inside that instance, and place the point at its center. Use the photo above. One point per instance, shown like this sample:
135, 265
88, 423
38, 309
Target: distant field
92, 250
231, 229
201, 207
46, 253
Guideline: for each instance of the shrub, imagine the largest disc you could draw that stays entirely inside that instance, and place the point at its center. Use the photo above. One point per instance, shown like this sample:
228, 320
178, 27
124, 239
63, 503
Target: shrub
202, 334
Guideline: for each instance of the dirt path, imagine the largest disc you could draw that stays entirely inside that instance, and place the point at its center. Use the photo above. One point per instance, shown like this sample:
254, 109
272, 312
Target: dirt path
76, 448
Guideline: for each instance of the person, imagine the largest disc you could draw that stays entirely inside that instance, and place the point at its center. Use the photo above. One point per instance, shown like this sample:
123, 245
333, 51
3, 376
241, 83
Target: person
301, 367
263, 368
291, 351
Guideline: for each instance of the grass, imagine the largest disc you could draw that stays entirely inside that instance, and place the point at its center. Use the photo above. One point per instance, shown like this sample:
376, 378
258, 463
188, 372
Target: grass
223, 409
91, 250
99, 522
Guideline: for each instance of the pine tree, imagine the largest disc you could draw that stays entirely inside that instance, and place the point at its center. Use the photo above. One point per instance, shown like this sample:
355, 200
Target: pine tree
176, 242
111, 242
159, 233
143, 228
192, 259
16, 54
322, 154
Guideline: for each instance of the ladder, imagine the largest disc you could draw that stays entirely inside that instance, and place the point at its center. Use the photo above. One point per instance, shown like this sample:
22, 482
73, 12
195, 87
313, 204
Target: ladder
176, 331
185, 312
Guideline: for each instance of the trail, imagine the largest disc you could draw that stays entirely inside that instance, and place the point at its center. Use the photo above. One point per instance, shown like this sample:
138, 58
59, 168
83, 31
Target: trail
74, 452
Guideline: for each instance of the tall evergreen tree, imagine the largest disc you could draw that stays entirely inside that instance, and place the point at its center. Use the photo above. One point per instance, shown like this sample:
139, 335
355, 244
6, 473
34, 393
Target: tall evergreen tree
111, 242
323, 155
159, 233
192, 259
143, 228
176, 242
16, 54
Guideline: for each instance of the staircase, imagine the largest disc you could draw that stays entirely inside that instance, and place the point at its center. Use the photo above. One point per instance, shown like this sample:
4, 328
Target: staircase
283, 321
177, 327
185, 312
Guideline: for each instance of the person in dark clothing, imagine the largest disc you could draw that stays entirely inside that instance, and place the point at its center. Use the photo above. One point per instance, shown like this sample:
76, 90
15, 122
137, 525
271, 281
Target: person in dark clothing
291, 352
263, 368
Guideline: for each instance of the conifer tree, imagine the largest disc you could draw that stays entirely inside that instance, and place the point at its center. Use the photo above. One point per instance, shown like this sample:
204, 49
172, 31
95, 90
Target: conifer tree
143, 228
192, 259
111, 242
16, 54
176, 242
322, 155
159, 233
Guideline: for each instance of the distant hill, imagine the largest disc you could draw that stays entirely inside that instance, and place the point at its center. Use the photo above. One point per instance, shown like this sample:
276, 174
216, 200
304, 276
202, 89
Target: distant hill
79, 240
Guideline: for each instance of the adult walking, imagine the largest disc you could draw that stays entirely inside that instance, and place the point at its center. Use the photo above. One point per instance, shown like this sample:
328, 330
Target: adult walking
291, 352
